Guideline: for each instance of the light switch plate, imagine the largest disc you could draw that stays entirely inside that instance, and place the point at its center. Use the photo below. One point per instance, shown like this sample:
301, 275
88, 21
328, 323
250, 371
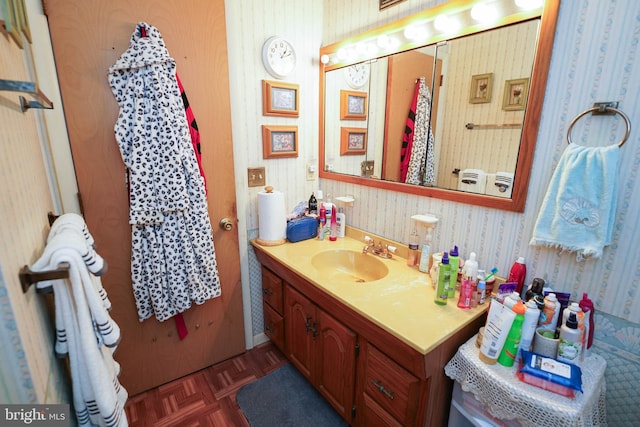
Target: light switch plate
256, 177
312, 169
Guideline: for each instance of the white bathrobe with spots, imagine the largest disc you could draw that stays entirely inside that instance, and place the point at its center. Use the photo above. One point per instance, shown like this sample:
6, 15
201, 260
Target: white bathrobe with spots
173, 261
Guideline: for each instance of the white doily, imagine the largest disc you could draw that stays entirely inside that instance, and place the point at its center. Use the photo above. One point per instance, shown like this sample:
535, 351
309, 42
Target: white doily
507, 398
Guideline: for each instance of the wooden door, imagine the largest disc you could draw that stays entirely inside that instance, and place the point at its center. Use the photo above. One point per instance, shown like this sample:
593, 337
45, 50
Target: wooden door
300, 327
404, 70
335, 363
88, 36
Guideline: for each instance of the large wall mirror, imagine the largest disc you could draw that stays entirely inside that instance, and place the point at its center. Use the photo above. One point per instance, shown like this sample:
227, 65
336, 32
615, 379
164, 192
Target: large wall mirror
449, 111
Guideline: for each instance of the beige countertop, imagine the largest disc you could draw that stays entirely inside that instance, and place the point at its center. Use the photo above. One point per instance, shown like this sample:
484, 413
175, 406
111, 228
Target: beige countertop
402, 302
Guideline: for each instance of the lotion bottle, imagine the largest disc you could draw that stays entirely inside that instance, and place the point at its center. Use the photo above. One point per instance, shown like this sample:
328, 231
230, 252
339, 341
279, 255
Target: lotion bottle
425, 255
341, 221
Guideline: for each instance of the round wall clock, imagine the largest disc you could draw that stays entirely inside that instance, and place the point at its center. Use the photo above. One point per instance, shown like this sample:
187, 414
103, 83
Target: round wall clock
278, 57
357, 75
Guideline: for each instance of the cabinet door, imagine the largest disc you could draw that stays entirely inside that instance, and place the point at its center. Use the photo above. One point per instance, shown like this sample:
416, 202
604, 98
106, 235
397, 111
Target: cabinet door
335, 364
300, 329
273, 326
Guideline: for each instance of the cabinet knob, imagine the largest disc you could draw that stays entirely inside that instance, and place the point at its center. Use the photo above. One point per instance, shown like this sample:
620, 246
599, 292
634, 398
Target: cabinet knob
267, 292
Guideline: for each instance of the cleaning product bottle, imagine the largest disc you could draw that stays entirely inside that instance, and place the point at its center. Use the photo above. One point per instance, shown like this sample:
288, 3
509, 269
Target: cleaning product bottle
570, 345
412, 258
333, 229
470, 271
518, 274
425, 254
341, 221
444, 277
549, 315
454, 266
510, 350
589, 310
530, 324
313, 204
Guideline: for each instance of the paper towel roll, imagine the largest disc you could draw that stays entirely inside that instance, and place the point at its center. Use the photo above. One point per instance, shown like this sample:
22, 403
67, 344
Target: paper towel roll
272, 218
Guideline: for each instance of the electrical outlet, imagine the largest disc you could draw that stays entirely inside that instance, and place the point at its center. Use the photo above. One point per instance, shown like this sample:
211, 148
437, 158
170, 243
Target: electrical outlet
312, 169
256, 177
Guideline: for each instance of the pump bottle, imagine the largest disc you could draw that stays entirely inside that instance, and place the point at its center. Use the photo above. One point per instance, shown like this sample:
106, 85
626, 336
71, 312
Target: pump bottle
569, 347
467, 288
444, 278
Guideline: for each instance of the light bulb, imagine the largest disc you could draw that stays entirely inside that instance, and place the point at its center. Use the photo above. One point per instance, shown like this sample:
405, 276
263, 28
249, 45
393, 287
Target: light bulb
528, 4
325, 59
446, 24
484, 13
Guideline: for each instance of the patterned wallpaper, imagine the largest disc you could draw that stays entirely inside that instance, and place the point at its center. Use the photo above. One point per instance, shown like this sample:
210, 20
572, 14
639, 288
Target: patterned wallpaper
594, 58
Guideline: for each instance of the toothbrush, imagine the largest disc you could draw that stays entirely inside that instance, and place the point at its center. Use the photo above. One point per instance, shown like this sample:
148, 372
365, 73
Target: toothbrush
494, 270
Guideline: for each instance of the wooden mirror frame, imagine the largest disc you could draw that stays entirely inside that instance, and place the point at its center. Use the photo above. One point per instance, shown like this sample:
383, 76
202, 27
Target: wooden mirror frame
548, 15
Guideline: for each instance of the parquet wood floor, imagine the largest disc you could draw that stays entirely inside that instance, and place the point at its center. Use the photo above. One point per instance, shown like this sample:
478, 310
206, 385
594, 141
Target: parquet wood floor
207, 397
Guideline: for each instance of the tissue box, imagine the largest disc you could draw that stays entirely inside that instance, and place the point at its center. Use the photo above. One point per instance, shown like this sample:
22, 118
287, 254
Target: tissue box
302, 228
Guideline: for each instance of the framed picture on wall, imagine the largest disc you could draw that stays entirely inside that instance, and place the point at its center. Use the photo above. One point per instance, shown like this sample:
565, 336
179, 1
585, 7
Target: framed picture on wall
279, 141
353, 105
280, 99
353, 141
515, 94
481, 88
9, 14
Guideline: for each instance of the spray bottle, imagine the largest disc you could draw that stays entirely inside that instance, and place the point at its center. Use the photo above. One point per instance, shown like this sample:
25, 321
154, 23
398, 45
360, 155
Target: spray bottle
470, 271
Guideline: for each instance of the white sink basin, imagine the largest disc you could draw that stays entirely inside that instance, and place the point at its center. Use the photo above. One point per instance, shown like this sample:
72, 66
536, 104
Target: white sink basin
350, 266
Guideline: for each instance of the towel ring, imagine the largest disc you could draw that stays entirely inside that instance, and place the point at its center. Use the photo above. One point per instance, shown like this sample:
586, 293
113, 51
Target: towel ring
602, 111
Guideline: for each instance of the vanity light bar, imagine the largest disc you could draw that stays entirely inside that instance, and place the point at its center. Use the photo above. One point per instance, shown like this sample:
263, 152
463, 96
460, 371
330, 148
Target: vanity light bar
430, 26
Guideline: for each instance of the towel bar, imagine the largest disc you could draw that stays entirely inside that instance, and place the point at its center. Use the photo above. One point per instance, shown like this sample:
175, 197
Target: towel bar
28, 277
602, 108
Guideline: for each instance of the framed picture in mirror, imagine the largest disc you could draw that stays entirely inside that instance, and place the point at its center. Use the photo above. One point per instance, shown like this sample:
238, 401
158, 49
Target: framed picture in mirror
279, 141
353, 141
481, 87
280, 99
515, 94
353, 105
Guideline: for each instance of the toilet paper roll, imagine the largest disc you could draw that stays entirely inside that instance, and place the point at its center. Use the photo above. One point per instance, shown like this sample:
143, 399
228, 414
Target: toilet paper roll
272, 218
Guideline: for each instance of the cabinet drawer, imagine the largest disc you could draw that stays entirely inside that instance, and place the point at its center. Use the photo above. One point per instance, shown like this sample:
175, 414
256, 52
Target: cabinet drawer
272, 290
391, 386
273, 326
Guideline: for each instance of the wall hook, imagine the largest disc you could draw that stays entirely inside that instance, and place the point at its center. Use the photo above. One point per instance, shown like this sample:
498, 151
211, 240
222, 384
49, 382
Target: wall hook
29, 87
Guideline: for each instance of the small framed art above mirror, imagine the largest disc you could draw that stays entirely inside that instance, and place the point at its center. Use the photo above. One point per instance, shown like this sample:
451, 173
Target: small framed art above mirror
470, 99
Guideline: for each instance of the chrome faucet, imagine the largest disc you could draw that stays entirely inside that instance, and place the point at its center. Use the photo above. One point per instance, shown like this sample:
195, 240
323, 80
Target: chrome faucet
383, 251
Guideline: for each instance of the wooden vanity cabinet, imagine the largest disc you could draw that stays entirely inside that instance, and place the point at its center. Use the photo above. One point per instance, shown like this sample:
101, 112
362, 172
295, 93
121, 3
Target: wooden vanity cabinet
370, 376
272, 307
322, 349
